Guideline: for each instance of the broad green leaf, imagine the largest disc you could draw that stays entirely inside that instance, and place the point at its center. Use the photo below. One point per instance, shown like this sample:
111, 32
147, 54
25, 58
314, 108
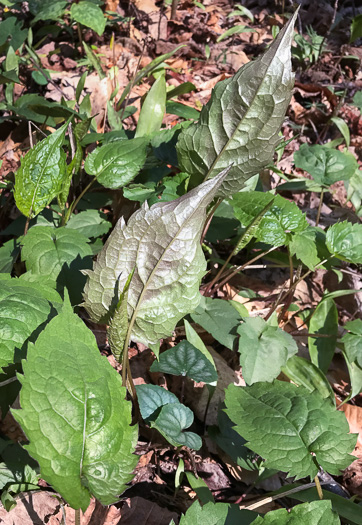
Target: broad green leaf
151, 398
162, 243
153, 109
344, 240
172, 421
303, 246
284, 216
40, 176
117, 163
354, 191
343, 128
74, 413
217, 514
235, 30
304, 373
219, 318
162, 410
17, 467
325, 165
185, 359
356, 28
90, 15
50, 10
59, 253
22, 310
90, 223
314, 513
355, 375
324, 322
263, 350
353, 341
286, 424
8, 254
241, 122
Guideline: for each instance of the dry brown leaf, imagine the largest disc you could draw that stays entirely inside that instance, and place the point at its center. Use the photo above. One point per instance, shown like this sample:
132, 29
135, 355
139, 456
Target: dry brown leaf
353, 414
144, 512
33, 508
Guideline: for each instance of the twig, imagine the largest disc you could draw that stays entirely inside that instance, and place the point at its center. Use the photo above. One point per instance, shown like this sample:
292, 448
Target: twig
82, 194
209, 219
335, 7
30, 135
77, 516
174, 9
318, 487
133, 80
8, 381
319, 207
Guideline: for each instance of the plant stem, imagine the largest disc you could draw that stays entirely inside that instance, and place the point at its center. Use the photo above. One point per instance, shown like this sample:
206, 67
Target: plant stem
132, 83
82, 194
77, 516
174, 9
240, 268
318, 487
208, 220
319, 208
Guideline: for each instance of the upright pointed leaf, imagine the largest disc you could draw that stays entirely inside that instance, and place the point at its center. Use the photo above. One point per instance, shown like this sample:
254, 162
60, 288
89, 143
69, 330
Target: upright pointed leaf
74, 413
162, 243
241, 122
324, 322
303, 429
39, 178
153, 109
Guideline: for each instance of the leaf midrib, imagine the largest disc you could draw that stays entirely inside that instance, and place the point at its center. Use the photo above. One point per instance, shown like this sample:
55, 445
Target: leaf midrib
52, 147
217, 158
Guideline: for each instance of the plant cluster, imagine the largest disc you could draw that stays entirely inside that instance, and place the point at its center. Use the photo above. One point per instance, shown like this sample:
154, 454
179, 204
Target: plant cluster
144, 284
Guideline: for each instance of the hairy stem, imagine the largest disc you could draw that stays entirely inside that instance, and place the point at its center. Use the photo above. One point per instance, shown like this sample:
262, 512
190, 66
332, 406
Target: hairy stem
77, 519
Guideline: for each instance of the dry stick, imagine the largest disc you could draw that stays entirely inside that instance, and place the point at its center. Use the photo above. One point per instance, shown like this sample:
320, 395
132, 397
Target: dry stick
319, 207
335, 7
242, 267
296, 282
174, 9
269, 499
30, 135
77, 516
133, 80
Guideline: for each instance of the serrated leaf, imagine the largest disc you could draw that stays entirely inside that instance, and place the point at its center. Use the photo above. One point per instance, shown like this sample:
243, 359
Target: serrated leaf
116, 164
219, 318
324, 164
8, 254
353, 341
284, 216
344, 240
74, 413
40, 176
153, 109
185, 359
324, 321
241, 122
59, 253
314, 513
90, 223
299, 423
263, 350
304, 373
50, 10
89, 15
216, 514
303, 246
162, 243
22, 310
